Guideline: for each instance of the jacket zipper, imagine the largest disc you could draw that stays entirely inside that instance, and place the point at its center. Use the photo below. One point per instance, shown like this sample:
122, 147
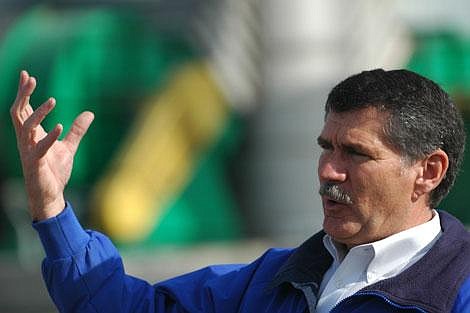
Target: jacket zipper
376, 294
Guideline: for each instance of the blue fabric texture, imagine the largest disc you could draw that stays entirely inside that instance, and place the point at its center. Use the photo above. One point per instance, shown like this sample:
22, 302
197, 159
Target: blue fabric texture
84, 273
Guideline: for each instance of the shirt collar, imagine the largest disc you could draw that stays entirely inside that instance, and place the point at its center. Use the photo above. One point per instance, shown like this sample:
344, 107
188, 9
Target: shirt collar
393, 253
337, 250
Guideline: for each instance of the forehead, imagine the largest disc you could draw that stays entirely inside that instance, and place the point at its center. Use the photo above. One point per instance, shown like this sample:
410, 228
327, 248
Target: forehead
359, 125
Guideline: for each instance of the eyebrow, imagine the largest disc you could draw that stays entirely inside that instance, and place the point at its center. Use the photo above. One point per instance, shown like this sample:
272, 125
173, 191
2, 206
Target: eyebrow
324, 143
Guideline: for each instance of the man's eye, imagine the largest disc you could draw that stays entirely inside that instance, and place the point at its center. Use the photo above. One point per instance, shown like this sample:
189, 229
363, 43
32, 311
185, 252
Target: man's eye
326, 147
355, 152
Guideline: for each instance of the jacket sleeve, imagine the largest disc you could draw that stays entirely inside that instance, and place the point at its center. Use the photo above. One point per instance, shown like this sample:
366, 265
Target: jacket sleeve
83, 270
462, 303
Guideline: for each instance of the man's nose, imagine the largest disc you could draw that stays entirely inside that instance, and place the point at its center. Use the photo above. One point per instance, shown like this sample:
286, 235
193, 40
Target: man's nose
332, 170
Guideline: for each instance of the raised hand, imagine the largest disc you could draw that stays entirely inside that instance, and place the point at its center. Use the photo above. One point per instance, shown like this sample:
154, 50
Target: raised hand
47, 162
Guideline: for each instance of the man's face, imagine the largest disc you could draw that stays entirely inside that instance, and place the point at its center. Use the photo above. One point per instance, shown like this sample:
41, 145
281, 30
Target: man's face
377, 185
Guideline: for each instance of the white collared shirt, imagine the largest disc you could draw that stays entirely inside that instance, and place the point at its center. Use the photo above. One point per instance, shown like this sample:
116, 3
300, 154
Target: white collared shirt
367, 264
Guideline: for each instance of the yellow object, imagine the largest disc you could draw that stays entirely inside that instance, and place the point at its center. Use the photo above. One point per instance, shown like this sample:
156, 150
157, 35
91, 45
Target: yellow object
159, 154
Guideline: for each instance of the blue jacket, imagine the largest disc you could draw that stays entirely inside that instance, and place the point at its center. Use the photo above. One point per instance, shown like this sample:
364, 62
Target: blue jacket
84, 273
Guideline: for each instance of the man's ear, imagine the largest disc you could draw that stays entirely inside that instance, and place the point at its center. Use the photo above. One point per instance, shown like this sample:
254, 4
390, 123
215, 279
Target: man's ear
432, 170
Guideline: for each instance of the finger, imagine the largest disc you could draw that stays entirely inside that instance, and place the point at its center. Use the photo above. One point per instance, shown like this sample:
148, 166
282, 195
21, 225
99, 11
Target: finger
26, 92
14, 108
78, 130
44, 145
23, 77
21, 109
36, 118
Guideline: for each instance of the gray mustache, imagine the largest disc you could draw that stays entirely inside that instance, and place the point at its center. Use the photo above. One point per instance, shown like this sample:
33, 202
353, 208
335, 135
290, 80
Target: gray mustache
335, 193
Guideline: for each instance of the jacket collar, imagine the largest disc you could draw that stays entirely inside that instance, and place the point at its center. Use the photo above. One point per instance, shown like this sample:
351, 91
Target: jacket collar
307, 264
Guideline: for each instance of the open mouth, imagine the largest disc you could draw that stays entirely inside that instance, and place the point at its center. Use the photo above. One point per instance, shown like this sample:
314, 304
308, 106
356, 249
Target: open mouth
332, 203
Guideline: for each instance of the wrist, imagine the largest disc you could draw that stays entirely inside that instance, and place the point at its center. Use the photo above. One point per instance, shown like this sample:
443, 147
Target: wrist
46, 211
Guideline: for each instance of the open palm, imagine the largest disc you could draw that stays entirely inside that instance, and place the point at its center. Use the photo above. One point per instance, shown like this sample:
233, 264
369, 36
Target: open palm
47, 162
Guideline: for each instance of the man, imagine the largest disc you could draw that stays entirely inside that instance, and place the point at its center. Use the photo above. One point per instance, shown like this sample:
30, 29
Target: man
392, 145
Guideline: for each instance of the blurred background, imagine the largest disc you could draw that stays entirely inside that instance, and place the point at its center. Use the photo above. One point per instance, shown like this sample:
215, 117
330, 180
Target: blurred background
203, 146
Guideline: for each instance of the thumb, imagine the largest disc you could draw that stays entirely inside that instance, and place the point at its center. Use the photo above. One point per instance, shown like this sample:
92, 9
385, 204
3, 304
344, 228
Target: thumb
78, 130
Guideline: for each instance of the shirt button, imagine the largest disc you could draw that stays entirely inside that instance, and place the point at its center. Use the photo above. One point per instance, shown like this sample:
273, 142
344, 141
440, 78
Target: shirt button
370, 276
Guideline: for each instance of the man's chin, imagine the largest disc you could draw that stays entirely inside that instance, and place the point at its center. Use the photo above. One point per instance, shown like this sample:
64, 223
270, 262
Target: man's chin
339, 228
